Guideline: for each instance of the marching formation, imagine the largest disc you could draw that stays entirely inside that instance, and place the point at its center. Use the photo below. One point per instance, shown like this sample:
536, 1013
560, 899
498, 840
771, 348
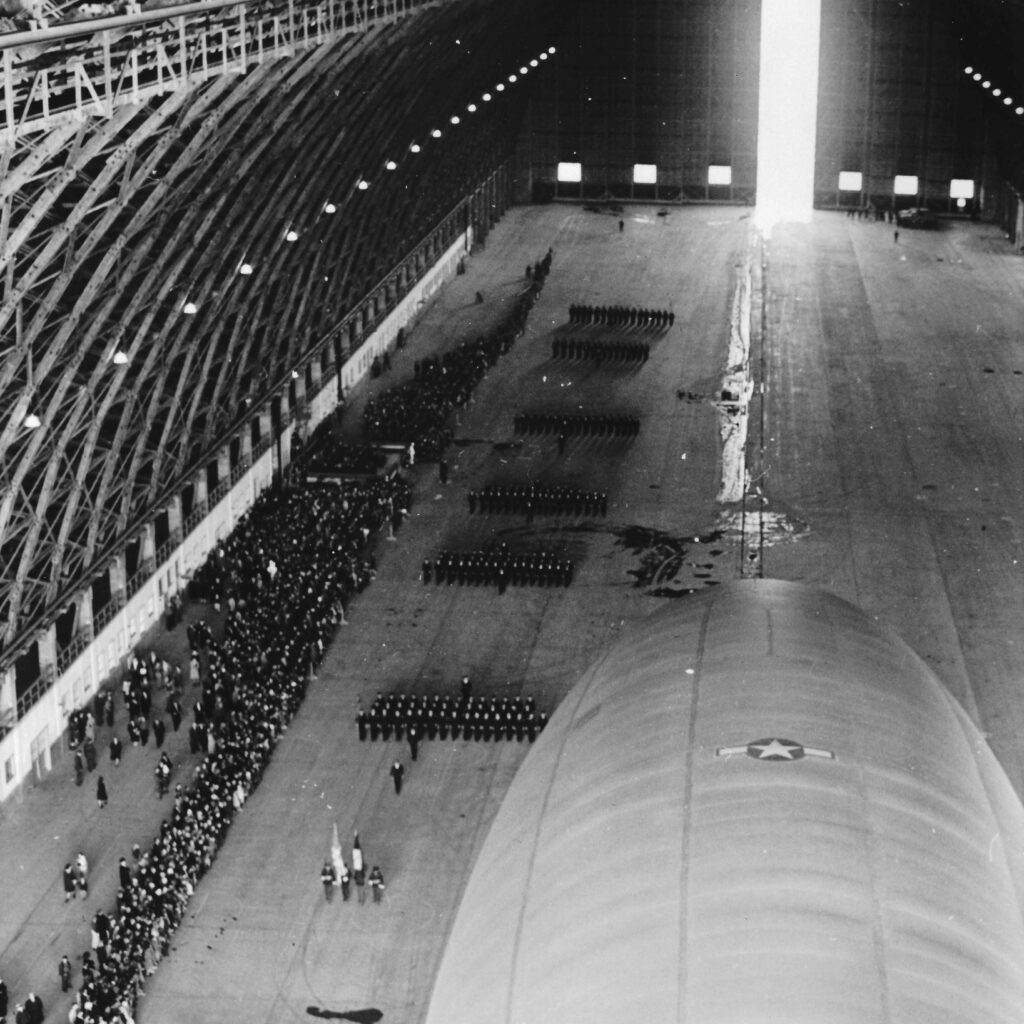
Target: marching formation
499, 567
439, 717
600, 351
577, 425
622, 316
417, 411
532, 499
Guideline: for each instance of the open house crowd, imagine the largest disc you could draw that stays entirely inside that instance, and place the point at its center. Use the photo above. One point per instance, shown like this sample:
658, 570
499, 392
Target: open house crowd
285, 574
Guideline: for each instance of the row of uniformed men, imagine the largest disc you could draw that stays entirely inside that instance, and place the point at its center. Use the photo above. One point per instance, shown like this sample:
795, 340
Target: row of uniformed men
621, 316
580, 425
496, 567
600, 351
474, 718
498, 499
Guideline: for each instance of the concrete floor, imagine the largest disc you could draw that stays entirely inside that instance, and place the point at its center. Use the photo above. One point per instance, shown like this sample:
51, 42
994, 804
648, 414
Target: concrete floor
886, 464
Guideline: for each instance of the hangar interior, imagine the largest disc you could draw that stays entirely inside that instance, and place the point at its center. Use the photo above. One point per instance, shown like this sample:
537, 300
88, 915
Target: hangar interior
216, 217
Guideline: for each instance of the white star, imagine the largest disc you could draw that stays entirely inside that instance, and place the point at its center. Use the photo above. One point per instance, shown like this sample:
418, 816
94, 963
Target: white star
777, 750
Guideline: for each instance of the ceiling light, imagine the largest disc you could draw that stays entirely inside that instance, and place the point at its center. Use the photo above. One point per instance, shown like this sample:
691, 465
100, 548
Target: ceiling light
551, 49
977, 76
291, 235
245, 269
436, 133
330, 208
1019, 110
524, 70
120, 357
1008, 101
414, 148
391, 165
190, 308
32, 421
471, 108
968, 70
500, 87
997, 92
544, 56
487, 97
512, 78
986, 84
295, 374
362, 185
455, 119
533, 63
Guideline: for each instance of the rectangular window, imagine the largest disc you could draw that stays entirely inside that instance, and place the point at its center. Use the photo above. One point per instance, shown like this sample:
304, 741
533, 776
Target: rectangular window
719, 174
961, 188
851, 181
570, 172
905, 185
645, 174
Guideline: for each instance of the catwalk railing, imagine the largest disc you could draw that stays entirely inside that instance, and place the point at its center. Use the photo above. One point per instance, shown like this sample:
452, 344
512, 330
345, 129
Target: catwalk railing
90, 67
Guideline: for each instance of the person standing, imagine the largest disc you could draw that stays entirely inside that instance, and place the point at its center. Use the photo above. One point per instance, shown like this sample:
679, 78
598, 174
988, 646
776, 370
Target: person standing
34, 1009
327, 876
344, 879
413, 736
82, 874
124, 873
79, 768
359, 869
397, 771
64, 969
376, 882
3, 999
101, 792
70, 883
158, 732
115, 750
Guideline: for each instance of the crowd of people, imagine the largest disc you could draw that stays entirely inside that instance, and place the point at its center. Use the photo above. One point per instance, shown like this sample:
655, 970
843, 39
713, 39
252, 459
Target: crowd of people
621, 316
576, 425
499, 566
417, 717
418, 411
600, 351
286, 571
534, 499
326, 454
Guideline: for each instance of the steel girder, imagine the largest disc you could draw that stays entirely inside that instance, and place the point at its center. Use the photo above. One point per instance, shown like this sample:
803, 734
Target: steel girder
109, 225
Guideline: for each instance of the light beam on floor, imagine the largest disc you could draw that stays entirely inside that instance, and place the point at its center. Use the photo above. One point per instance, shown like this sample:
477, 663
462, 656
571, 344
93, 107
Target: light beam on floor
787, 119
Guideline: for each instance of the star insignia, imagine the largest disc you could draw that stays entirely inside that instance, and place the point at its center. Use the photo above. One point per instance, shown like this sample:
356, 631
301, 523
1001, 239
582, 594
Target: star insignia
775, 749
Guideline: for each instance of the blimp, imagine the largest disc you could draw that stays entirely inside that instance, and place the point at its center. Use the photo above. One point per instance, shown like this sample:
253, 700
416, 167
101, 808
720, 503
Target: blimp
759, 806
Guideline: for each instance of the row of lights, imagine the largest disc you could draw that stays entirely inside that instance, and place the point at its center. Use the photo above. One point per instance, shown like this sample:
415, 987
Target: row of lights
33, 422
245, 268
995, 90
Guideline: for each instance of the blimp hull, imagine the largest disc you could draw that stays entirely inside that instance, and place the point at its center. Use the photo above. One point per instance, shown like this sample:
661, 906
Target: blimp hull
758, 806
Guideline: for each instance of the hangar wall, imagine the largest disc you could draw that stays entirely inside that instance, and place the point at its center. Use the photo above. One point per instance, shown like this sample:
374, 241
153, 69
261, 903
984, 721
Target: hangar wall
676, 85
653, 82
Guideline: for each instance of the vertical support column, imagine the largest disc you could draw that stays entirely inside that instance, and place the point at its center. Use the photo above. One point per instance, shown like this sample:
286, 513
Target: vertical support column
245, 445
8, 699
46, 640
224, 466
83, 604
147, 549
118, 581
264, 424
202, 490
284, 446
174, 518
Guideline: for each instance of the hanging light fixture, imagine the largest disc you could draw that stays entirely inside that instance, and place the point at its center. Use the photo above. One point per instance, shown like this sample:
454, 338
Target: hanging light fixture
119, 358
329, 207
414, 148
189, 308
391, 165
32, 422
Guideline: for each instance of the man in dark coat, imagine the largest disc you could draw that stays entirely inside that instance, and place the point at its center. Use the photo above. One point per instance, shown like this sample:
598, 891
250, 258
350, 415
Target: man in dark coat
64, 969
397, 771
